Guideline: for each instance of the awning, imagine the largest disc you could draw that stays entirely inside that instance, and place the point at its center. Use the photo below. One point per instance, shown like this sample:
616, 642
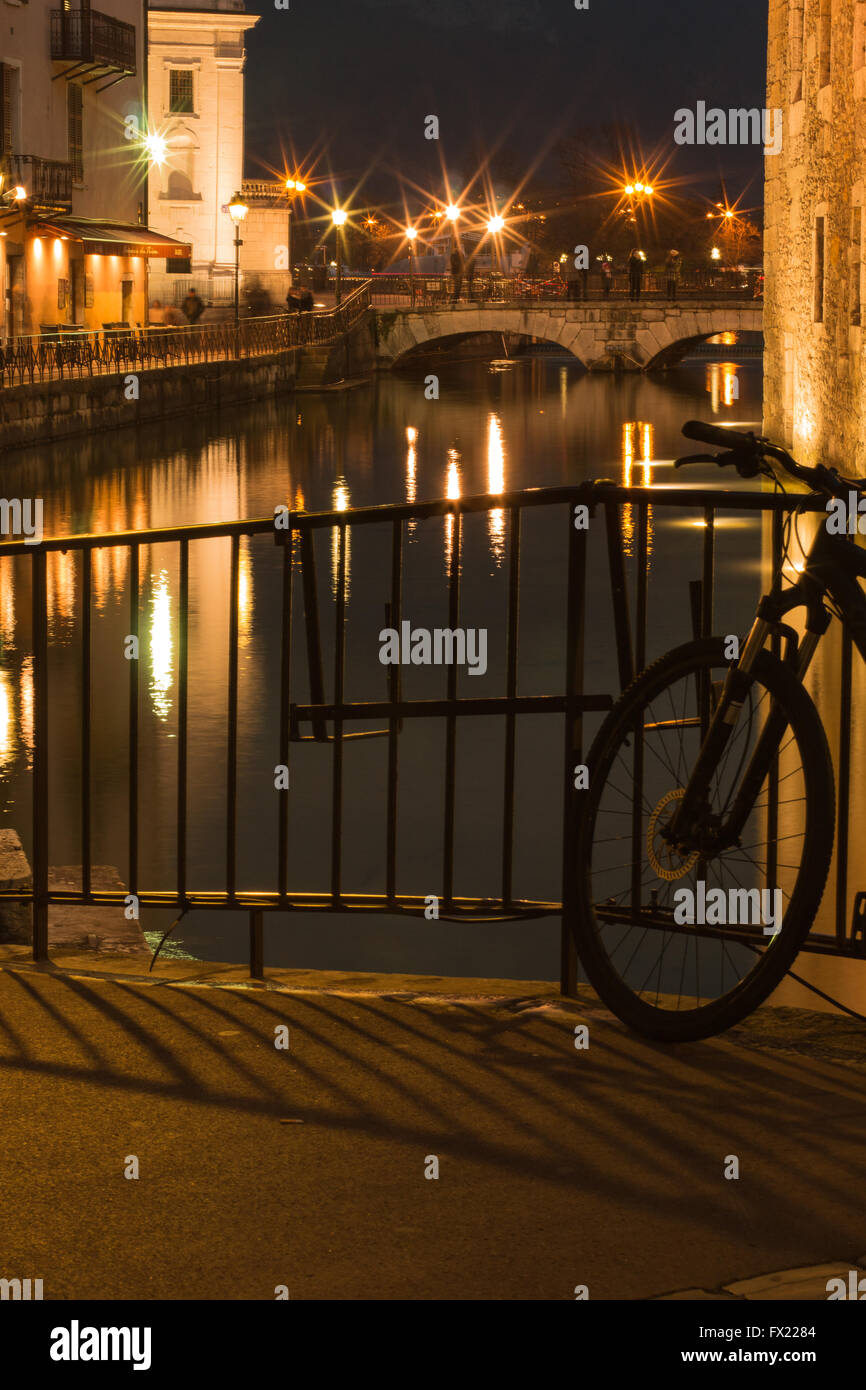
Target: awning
115, 238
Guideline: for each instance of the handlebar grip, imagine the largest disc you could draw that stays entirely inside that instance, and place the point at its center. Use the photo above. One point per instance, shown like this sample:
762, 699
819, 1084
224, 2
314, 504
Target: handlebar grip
718, 436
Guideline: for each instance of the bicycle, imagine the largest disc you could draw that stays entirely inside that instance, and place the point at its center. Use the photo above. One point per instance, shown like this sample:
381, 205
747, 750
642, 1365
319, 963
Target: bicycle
711, 780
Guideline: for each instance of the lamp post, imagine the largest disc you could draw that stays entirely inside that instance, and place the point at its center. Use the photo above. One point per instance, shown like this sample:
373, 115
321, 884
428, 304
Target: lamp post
452, 212
411, 234
237, 212
338, 217
293, 186
494, 227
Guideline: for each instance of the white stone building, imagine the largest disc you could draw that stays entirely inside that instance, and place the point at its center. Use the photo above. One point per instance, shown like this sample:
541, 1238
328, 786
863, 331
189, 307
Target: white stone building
814, 240
196, 105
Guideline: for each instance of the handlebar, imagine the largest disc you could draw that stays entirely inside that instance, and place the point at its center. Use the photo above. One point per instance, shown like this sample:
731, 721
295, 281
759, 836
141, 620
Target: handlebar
748, 454
717, 435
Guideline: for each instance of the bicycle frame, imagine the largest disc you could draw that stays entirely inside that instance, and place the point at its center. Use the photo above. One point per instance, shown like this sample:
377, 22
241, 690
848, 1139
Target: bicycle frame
832, 567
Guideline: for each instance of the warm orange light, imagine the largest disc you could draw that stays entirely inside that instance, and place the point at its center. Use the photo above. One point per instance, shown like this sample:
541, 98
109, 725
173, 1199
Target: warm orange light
452, 212
496, 224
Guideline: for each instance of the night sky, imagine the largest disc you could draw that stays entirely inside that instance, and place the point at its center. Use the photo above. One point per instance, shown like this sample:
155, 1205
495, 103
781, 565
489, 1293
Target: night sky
351, 81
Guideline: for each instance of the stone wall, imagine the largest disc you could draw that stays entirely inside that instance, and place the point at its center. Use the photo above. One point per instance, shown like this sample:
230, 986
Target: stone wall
58, 409
814, 358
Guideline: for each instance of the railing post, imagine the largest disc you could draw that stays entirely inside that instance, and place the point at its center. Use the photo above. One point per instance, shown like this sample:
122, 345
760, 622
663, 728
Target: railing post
40, 758
574, 666
257, 945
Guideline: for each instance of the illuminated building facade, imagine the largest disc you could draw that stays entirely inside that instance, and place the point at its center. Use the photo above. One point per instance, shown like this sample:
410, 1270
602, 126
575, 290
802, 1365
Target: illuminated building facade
815, 364
196, 106
73, 247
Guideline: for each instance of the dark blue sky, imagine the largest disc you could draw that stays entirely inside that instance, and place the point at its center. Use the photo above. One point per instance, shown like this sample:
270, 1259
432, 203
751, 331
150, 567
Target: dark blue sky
357, 77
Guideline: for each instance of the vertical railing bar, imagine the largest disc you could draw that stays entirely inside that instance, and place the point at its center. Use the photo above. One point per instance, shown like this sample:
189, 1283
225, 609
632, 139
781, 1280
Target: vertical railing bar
182, 714
311, 626
619, 594
40, 757
451, 719
337, 764
574, 679
86, 715
709, 571
232, 748
394, 693
134, 668
844, 789
285, 699
514, 517
641, 597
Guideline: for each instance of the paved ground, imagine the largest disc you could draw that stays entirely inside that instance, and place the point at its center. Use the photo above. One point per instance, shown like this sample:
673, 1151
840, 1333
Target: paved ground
557, 1167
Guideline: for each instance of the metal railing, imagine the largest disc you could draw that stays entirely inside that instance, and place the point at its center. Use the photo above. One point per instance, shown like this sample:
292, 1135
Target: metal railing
48, 182
305, 616
61, 351
437, 290
88, 36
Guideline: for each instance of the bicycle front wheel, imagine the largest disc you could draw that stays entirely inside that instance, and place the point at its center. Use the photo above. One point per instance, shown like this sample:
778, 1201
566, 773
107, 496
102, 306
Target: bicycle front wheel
682, 941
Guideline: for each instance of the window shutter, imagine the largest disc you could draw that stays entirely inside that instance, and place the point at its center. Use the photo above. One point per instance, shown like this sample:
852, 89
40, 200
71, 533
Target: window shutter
75, 130
6, 98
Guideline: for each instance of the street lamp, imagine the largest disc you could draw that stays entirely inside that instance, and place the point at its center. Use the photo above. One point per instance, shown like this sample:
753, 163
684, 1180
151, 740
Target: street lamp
494, 227
237, 212
338, 217
293, 186
411, 234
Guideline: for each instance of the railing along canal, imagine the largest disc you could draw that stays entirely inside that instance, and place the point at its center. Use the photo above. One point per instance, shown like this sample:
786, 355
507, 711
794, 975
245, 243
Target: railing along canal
65, 352
597, 578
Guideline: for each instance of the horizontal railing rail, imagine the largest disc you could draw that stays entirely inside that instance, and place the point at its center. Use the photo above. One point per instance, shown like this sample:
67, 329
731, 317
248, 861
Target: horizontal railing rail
306, 616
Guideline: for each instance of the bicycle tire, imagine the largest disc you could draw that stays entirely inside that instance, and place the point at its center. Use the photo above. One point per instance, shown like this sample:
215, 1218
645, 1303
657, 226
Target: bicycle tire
782, 685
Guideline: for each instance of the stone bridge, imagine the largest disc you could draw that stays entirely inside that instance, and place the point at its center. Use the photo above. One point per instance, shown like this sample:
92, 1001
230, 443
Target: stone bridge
604, 336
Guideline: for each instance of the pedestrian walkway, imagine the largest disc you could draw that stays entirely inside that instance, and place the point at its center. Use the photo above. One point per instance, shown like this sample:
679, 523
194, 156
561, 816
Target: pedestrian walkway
416, 1139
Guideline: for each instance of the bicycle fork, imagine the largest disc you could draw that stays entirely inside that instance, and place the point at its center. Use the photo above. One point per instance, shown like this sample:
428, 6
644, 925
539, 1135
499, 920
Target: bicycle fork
721, 727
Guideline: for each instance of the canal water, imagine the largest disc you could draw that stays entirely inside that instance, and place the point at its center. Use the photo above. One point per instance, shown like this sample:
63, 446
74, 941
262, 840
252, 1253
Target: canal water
528, 422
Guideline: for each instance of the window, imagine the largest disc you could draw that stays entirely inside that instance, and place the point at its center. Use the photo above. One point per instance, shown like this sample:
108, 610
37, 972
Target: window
818, 308
75, 130
824, 42
859, 34
855, 263
180, 89
795, 49
178, 265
